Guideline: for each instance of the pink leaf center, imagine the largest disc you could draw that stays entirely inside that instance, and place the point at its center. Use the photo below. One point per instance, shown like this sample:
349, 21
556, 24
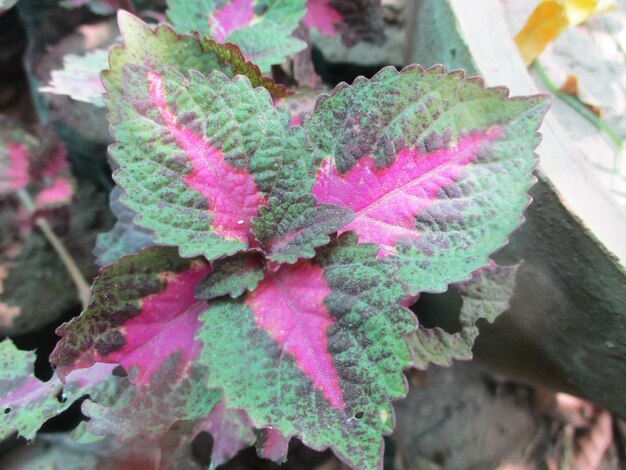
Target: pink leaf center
231, 192
289, 305
386, 201
167, 323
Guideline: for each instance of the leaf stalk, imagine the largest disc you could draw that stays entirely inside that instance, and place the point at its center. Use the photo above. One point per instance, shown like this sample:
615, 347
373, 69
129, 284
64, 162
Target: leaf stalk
82, 287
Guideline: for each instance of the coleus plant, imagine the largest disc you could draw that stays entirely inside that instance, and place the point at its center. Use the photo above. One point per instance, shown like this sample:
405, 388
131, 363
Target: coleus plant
269, 265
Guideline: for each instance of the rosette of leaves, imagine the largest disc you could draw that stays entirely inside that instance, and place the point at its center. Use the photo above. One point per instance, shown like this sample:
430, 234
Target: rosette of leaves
274, 297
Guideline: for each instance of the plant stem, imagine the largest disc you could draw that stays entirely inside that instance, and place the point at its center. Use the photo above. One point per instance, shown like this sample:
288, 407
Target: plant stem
580, 107
82, 287
575, 103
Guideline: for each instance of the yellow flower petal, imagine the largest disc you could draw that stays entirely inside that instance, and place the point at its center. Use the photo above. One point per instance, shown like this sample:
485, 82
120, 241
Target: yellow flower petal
550, 17
578, 11
542, 27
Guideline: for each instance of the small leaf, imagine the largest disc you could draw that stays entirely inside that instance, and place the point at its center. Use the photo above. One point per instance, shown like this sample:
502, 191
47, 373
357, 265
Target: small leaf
322, 16
55, 179
80, 77
570, 87
231, 431
355, 20
272, 445
231, 276
147, 412
300, 104
42, 163
290, 229
320, 348
261, 28
16, 147
59, 192
136, 425
125, 238
486, 295
27, 401
435, 167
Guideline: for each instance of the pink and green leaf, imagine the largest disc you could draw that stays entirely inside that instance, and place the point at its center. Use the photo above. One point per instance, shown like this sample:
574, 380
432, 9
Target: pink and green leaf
144, 317
16, 147
80, 77
436, 167
322, 16
142, 314
56, 186
261, 28
59, 192
206, 160
162, 47
321, 348
232, 276
28, 402
26, 160
354, 20
485, 296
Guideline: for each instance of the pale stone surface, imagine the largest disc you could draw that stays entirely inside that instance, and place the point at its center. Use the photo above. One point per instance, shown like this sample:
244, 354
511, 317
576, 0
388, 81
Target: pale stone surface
593, 53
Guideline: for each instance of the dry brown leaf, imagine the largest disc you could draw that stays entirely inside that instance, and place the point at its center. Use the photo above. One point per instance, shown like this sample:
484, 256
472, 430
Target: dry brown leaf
571, 88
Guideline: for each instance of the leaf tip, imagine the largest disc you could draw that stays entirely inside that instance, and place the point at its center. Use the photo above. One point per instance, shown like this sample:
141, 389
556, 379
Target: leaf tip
127, 22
